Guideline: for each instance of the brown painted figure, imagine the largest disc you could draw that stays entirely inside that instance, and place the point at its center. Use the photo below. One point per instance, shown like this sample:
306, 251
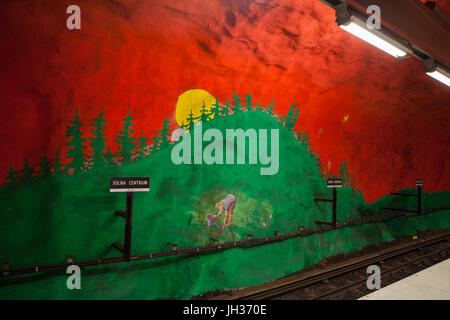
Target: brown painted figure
227, 204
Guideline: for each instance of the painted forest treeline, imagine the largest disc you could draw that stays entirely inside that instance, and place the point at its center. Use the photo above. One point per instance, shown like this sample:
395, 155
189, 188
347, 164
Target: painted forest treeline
133, 148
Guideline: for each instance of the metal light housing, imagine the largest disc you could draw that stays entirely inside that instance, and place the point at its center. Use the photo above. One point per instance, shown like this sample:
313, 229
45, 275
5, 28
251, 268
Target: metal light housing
436, 71
377, 38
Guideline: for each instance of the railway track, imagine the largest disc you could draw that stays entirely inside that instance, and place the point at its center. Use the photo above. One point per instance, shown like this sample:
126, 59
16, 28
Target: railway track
347, 279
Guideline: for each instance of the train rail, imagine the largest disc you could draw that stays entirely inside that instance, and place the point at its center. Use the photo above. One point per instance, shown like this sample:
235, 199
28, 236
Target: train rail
341, 278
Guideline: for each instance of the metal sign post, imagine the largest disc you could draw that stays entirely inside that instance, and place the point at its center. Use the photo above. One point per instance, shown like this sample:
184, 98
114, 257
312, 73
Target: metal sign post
419, 184
331, 183
128, 185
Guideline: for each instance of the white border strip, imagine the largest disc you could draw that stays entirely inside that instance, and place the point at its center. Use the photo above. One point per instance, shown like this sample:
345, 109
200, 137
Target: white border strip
129, 190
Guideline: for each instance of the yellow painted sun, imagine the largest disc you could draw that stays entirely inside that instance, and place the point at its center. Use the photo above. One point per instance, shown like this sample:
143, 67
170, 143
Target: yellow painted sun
192, 100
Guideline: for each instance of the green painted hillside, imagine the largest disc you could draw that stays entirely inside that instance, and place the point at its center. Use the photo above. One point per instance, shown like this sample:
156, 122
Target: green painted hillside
47, 218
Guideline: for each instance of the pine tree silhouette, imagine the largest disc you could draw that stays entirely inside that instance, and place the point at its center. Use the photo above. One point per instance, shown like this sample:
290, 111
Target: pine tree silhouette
305, 138
46, 168
236, 103
299, 137
344, 175
125, 140
248, 101
204, 113
258, 107
58, 166
27, 171
98, 140
75, 146
223, 111
142, 146
216, 109
291, 118
190, 125
269, 108
109, 158
156, 142
147, 150
12, 175
184, 126
227, 107
165, 134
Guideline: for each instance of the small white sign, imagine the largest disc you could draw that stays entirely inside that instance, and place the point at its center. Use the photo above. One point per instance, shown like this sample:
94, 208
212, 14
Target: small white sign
129, 184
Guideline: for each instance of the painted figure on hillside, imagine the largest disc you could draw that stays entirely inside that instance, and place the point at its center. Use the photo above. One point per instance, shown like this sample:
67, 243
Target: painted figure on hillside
227, 204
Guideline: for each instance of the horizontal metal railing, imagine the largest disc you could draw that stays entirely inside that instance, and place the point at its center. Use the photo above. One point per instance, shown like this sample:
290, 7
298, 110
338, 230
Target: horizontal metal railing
216, 247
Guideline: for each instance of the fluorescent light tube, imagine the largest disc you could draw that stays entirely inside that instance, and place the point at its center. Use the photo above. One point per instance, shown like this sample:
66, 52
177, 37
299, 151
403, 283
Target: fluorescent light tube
440, 77
436, 71
372, 38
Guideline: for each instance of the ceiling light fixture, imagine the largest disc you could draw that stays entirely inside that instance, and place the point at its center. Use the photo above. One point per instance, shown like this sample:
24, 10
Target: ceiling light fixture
358, 28
437, 72
350, 18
